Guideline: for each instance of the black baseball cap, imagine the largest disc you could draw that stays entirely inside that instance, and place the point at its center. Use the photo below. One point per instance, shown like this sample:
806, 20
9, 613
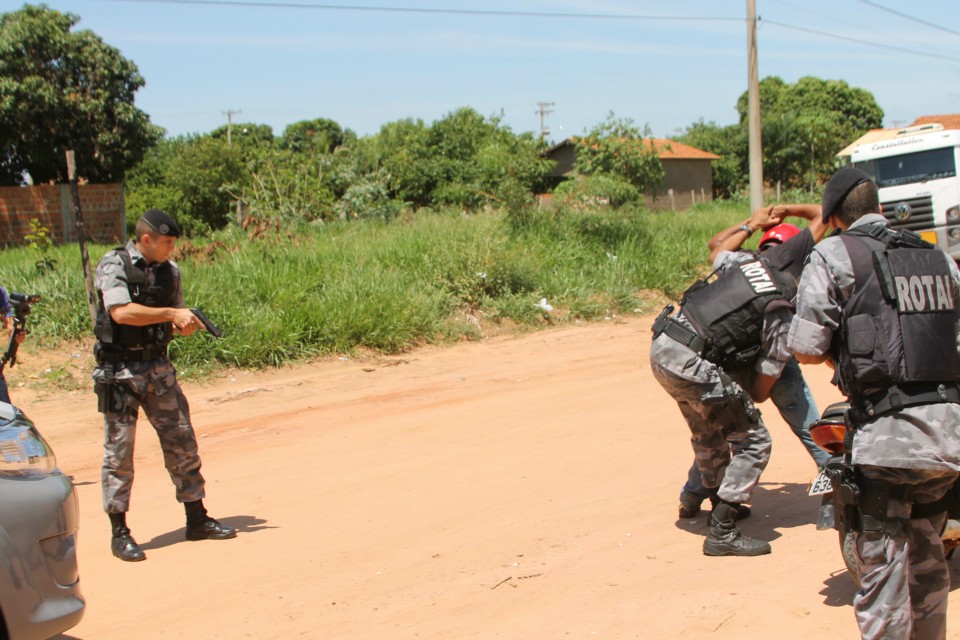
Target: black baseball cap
842, 183
161, 223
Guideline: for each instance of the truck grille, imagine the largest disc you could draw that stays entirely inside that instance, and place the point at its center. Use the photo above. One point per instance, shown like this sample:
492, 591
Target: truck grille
919, 212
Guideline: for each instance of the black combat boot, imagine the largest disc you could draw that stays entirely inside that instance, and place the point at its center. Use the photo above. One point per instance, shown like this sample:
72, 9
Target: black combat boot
123, 545
743, 511
725, 539
690, 504
200, 526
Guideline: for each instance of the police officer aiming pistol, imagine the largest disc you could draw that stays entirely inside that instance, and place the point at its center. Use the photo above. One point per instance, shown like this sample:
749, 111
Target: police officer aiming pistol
140, 309
879, 305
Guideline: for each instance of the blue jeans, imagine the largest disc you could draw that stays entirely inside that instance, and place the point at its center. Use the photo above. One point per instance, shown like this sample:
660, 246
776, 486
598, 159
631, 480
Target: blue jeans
794, 401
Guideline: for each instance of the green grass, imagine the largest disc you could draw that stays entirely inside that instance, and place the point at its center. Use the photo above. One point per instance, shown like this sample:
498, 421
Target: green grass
387, 287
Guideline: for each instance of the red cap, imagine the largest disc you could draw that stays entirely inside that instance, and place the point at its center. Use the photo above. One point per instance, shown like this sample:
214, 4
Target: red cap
779, 234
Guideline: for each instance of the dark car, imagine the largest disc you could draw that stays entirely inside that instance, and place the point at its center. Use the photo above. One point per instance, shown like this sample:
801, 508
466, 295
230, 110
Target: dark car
39, 581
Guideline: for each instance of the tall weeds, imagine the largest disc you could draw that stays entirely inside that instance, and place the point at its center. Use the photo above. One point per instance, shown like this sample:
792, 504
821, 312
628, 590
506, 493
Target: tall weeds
296, 293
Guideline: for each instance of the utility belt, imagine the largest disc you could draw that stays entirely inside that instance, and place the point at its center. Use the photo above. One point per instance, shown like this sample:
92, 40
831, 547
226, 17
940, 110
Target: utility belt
112, 354
728, 394
113, 394
686, 336
860, 504
898, 397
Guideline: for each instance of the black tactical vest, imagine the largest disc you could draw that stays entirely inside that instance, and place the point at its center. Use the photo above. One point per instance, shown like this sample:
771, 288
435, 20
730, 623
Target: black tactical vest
899, 324
728, 312
160, 294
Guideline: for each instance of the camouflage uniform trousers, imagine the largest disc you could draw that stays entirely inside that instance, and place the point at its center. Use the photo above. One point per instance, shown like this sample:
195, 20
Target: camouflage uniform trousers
153, 386
904, 578
731, 450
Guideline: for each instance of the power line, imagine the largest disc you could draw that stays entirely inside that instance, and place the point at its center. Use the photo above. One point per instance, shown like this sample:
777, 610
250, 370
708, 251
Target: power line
802, 9
472, 12
833, 20
542, 14
887, 47
909, 17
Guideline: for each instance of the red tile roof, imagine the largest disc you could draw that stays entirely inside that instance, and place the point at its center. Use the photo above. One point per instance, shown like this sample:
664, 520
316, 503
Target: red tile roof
666, 149
671, 149
949, 120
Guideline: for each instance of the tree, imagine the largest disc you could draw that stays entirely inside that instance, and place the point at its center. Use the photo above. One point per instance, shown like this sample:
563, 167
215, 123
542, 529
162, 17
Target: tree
319, 136
64, 90
401, 148
618, 148
247, 135
463, 159
195, 179
805, 124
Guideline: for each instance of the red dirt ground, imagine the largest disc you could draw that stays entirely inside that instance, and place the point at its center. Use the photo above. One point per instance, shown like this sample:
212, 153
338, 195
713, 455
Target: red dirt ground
517, 487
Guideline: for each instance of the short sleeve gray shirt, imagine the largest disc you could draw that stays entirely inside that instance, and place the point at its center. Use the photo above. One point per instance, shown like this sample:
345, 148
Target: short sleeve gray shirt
925, 436
111, 278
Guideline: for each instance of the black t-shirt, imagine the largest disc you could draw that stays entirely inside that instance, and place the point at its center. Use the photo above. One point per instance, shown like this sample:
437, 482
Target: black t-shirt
790, 256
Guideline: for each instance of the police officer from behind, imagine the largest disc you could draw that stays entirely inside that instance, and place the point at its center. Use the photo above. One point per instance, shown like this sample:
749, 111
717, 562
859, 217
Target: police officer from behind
790, 394
723, 351
879, 305
140, 310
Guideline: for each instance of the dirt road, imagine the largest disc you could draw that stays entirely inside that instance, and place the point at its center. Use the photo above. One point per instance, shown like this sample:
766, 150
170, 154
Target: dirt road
512, 488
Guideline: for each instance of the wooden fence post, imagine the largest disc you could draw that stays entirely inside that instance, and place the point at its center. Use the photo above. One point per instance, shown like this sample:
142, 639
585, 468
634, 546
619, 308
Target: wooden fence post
84, 258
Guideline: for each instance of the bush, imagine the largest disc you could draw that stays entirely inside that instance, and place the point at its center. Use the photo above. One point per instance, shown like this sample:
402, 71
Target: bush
589, 191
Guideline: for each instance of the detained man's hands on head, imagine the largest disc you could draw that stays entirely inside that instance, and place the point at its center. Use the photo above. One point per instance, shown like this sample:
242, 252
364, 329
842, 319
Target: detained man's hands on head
766, 217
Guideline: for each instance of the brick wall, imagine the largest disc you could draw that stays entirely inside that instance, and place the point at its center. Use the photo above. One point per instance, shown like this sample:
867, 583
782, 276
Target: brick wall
101, 205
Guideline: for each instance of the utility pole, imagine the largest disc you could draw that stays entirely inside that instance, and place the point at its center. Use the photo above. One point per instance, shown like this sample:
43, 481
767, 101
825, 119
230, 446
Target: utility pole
230, 113
753, 110
543, 111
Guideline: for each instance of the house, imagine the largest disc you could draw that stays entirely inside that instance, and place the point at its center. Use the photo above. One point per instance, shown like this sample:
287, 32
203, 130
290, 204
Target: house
688, 172
949, 121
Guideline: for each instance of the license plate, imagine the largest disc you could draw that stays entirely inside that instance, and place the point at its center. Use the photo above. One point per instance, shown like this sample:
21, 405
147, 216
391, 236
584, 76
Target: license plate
821, 485
929, 236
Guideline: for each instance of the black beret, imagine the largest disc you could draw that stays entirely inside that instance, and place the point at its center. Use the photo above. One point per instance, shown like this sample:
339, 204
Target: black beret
842, 183
161, 223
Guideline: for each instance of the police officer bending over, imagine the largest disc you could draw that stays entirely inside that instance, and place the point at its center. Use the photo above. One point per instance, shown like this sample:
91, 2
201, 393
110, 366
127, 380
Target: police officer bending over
790, 394
140, 310
721, 352
880, 306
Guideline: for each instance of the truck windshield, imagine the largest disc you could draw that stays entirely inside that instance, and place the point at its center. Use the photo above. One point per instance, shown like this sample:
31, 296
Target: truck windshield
911, 167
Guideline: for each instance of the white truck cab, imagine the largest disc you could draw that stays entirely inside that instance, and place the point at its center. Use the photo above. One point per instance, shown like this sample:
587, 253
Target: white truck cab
916, 173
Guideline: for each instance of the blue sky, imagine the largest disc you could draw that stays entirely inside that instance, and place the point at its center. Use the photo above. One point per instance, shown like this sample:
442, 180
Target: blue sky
365, 68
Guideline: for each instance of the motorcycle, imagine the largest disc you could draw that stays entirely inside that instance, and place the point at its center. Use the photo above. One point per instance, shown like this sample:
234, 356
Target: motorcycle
828, 434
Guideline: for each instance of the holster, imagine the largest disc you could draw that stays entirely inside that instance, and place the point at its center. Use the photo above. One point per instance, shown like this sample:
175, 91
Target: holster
111, 394
660, 324
860, 504
845, 495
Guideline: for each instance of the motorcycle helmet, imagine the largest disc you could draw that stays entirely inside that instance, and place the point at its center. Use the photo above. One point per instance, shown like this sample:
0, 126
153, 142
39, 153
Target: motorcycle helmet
779, 234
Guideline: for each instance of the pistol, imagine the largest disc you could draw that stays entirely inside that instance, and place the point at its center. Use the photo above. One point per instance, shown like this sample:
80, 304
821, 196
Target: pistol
207, 323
